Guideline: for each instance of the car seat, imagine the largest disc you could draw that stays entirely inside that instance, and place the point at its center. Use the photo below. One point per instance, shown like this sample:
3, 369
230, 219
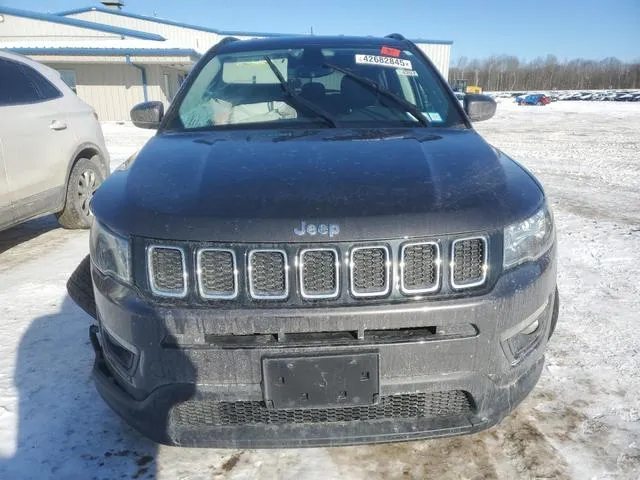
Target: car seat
314, 92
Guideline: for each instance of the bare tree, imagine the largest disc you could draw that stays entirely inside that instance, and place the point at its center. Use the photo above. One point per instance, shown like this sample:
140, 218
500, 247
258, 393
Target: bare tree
504, 72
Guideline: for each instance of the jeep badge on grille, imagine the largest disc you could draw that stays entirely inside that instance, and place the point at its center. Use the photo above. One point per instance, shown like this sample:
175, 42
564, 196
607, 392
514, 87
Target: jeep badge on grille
328, 229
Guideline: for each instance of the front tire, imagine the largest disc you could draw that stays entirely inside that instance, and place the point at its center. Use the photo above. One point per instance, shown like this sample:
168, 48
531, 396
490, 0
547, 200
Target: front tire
84, 180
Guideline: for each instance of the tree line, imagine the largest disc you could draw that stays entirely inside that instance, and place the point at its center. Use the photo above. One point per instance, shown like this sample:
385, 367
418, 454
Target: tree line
506, 72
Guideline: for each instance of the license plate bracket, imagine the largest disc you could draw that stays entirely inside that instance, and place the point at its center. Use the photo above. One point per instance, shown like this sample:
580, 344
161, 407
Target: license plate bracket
323, 381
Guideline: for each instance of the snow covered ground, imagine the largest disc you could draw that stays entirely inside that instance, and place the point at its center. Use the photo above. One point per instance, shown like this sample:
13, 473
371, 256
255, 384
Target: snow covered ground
581, 421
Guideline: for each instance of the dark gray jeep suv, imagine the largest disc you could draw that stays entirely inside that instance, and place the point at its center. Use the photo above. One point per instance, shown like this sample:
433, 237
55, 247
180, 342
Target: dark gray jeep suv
317, 248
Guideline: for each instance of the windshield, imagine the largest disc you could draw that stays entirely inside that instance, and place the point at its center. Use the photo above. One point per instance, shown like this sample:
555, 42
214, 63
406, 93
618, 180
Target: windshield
342, 86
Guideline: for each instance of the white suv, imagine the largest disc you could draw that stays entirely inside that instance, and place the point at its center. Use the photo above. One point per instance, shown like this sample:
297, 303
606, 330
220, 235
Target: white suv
52, 152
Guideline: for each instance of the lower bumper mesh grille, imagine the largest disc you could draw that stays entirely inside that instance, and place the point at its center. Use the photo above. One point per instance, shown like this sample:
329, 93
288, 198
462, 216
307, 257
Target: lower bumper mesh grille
417, 405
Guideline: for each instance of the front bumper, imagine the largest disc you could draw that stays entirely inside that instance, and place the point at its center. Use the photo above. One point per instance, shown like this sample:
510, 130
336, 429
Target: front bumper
175, 363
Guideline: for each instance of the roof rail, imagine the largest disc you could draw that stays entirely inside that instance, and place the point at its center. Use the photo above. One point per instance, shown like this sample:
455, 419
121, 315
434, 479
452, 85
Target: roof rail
226, 40
396, 36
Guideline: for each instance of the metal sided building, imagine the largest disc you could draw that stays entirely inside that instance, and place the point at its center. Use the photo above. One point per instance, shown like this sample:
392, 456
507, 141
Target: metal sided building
114, 59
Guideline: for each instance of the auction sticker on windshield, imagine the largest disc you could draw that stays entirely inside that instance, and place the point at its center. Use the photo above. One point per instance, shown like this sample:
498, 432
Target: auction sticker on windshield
384, 61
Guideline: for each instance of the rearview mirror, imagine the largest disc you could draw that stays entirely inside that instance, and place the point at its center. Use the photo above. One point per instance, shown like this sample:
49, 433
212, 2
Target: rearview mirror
147, 115
479, 107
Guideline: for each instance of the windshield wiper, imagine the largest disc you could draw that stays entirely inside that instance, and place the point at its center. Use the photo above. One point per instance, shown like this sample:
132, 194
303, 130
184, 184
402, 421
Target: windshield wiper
371, 85
309, 106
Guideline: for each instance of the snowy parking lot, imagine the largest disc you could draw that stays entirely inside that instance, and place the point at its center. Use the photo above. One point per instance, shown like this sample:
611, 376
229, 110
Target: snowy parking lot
581, 421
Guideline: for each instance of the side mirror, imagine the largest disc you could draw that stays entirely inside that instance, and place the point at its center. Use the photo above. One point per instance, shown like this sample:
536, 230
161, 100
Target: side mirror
479, 107
147, 115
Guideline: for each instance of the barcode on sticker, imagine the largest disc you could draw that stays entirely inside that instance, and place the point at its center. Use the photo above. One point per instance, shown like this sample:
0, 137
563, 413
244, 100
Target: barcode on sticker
383, 61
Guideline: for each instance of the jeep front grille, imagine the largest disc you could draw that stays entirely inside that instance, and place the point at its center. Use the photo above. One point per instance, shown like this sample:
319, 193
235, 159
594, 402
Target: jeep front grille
469, 262
415, 405
420, 267
167, 271
268, 274
396, 269
217, 273
319, 273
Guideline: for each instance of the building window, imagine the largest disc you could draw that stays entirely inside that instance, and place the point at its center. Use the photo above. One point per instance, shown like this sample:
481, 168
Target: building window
69, 77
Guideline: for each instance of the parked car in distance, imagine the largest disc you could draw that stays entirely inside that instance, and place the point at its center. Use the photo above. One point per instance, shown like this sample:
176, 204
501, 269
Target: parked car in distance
624, 97
460, 97
52, 151
533, 99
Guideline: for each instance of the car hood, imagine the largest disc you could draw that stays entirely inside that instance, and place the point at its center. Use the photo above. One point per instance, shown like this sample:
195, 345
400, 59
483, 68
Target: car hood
260, 186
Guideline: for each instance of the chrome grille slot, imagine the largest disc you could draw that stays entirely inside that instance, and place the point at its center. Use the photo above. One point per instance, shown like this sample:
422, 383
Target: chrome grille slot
469, 262
167, 271
217, 273
268, 277
370, 271
319, 269
420, 267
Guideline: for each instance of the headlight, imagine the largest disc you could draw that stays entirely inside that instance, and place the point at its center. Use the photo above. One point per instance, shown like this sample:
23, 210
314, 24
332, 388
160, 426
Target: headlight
110, 252
529, 239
